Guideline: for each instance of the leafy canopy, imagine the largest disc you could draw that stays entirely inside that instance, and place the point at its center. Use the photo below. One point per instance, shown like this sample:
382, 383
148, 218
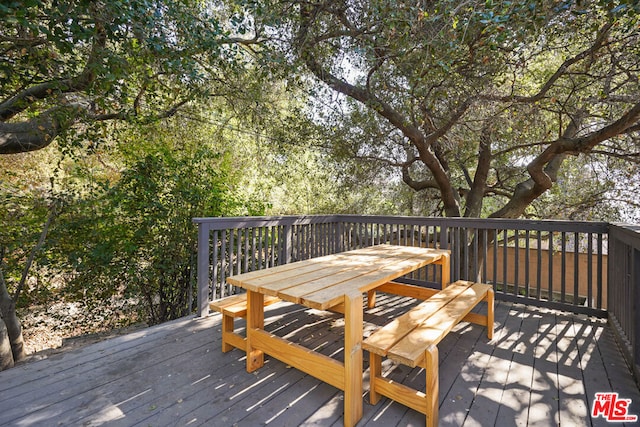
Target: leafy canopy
471, 102
72, 62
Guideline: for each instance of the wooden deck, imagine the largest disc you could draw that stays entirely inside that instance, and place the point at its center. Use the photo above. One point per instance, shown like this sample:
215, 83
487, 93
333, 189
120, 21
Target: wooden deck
542, 368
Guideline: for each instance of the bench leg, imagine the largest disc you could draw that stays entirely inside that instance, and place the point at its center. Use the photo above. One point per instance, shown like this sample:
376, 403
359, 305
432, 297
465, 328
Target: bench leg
432, 385
426, 403
375, 371
227, 329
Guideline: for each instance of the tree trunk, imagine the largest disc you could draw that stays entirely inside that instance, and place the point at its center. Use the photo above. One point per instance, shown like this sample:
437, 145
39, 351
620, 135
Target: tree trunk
11, 323
6, 356
14, 330
477, 259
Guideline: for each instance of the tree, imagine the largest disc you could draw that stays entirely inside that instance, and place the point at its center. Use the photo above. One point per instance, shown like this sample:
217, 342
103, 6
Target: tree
66, 67
476, 100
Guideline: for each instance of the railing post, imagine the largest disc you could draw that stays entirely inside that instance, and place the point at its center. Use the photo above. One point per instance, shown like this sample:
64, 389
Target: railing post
287, 243
444, 244
444, 235
203, 270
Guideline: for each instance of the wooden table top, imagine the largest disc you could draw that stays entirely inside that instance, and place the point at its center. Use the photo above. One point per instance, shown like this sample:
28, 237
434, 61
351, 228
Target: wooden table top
323, 282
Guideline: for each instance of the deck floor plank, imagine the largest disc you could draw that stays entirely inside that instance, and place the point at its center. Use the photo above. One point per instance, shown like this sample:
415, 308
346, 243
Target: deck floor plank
485, 408
571, 396
466, 390
517, 392
542, 368
618, 377
543, 400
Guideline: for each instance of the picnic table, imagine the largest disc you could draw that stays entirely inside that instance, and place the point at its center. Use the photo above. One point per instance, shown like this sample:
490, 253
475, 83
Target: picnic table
334, 282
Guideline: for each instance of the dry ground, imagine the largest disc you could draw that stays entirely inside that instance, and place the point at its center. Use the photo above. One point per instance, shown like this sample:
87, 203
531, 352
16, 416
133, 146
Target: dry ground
63, 326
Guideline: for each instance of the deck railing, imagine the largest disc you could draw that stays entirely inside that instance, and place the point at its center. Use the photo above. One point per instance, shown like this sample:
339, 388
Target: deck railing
556, 264
584, 267
624, 291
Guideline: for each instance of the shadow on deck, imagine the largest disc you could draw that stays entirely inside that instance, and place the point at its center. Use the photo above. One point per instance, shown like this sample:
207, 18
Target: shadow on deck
542, 368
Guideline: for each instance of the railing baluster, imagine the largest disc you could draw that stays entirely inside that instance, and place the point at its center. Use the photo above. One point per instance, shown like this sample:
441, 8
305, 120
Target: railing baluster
215, 291
237, 251
539, 266
476, 267
461, 236
550, 286
590, 270
576, 259
203, 270
495, 258
516, 256
600, 272
274, 245
223, 263
505, 262
485, 249
527, 262
563, 267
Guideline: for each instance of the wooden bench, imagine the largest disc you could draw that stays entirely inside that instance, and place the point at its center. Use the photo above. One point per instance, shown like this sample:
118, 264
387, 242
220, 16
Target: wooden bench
232, 307
412, 340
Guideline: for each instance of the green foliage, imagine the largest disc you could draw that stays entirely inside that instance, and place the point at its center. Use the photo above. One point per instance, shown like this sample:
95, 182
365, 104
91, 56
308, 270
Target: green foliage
134, 237
139, 43
67, 66
22, 217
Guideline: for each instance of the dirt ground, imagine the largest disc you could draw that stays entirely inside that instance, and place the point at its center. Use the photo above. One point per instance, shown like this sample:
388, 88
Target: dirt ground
63, 326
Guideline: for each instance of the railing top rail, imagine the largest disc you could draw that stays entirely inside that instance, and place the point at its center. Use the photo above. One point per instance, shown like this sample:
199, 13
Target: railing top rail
628, 233
491, 223
480, 223
263, 221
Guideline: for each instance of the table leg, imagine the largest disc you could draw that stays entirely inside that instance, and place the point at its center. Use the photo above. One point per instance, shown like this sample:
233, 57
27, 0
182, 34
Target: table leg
371, 299
255, 320
353, 329
445, 277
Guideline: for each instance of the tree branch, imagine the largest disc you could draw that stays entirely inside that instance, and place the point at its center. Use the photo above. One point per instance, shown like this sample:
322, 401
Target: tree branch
473, 206
21, 101
34, 251
413, 133
36, 133
597, 44
39, 132
543, 169
416, 185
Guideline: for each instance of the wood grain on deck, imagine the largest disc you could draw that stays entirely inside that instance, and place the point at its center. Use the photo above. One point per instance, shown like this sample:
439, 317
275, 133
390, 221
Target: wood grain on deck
542, 368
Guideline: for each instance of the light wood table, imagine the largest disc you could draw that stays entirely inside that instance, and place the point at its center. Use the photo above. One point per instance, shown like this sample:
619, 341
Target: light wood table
334, 282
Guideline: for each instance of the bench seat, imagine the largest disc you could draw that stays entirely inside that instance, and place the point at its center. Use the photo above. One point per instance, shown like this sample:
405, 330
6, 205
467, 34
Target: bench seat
412, 340
232, 307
